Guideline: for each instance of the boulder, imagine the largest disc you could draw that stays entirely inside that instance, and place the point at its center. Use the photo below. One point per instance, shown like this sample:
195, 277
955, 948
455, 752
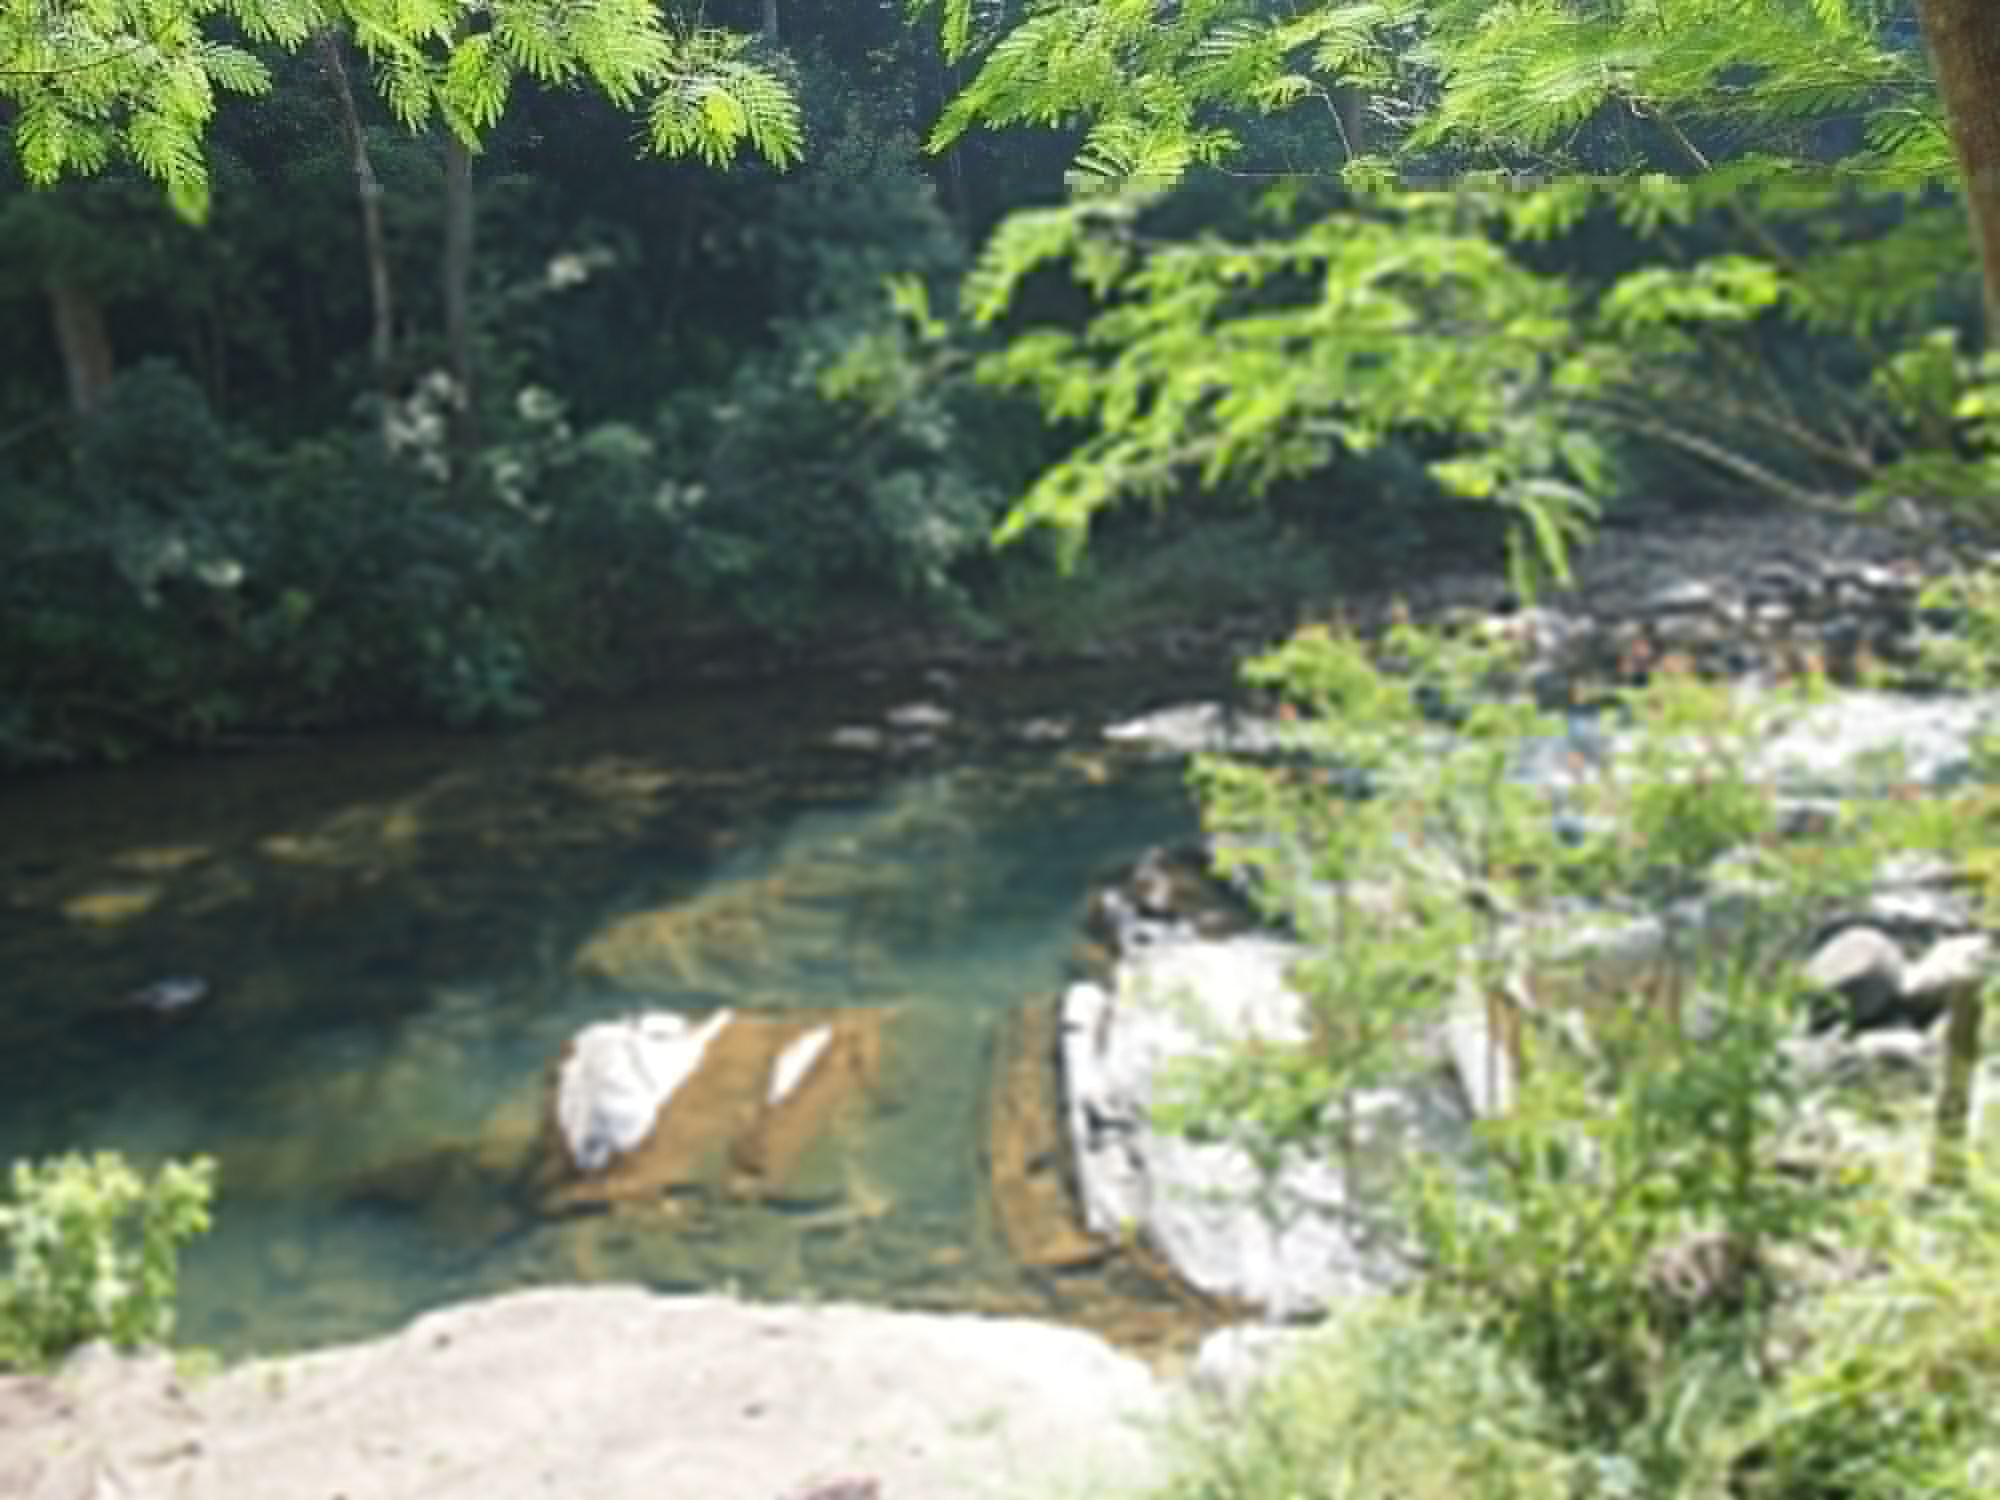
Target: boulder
1862, 968
611, 1392
1288, 1246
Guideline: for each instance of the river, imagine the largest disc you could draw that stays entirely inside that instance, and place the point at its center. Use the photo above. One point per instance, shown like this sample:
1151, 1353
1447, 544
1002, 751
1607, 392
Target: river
389, 928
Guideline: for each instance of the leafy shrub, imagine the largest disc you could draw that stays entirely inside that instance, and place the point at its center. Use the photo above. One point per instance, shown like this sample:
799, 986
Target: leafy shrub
1626, 1235
1390, 1400
92, 1252
181, 585
1898, 1393
787, 499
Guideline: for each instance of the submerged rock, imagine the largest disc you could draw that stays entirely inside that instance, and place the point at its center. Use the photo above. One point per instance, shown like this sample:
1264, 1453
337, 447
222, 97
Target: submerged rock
169, 996
617, 1078
740, 1105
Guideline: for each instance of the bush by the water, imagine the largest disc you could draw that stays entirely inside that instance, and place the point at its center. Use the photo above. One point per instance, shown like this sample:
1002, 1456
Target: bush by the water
91, 1251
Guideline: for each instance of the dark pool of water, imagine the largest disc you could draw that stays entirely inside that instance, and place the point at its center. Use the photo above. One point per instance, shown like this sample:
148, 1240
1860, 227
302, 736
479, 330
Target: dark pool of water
389, 926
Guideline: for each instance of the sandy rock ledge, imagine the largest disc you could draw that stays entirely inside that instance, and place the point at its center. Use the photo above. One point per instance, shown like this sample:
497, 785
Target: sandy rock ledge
608, 1392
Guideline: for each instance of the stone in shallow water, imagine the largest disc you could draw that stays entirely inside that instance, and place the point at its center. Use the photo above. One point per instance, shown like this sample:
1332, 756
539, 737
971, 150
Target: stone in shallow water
911, 716
169, 996
795, 1062
1031, 1196
724, 1127
617, 1077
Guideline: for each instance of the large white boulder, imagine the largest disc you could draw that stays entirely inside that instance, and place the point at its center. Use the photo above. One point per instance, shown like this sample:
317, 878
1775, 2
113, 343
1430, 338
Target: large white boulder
1290, 1244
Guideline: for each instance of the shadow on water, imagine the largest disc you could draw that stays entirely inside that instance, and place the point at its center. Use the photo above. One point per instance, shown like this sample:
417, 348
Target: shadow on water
398, 933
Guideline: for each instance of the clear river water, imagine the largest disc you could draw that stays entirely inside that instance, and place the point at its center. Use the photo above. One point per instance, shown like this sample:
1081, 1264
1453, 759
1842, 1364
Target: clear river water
389, 928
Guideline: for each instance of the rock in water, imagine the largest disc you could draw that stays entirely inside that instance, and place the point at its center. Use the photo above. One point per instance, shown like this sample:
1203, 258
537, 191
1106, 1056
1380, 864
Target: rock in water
166, 997
797, 1060
618, 1076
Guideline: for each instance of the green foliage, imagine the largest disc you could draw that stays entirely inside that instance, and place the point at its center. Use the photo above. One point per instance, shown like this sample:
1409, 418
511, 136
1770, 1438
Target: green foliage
1782, 165
1895, 1394
133, 78
825, 467
92, 1249
1154, 577
1388, 1399
805, 469
138, 80
713, 99
182, 586
1626, 1236
669, 469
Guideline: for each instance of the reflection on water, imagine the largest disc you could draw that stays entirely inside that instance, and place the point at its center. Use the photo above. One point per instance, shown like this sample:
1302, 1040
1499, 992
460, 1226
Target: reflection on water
399, 933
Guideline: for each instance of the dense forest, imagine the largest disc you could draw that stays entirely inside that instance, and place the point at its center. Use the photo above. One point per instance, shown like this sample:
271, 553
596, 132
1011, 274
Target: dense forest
441, 361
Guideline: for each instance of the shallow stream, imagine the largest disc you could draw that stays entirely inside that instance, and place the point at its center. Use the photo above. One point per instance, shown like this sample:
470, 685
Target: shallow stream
390, 930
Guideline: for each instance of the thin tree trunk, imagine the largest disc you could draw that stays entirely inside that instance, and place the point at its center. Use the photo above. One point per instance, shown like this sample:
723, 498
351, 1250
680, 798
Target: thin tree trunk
770, 27
1964, 41
84, 340
458, 249
374, 242
1951, 1131
1350, 112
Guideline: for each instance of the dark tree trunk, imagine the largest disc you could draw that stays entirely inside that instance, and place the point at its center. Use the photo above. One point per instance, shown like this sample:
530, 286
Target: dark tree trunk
1350, 109
84, 340
458, 251
374, 242
1964, 41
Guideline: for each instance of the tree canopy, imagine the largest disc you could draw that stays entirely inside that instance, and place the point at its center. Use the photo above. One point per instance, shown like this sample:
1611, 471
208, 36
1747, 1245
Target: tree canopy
141, 79
1787, 162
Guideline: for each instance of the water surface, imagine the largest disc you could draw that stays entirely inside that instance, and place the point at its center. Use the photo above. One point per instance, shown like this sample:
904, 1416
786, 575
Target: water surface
390, 926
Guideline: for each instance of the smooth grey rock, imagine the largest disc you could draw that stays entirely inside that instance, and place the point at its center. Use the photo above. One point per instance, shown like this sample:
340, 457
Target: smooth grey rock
1479, 1061
1675, 598
1042, 731
1947, 967
1862, 966
651, 1397
1896, 1058
1289, 1245
1922, 896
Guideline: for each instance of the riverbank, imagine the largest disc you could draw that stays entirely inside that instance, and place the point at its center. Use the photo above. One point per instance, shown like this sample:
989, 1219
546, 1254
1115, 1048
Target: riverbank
612, 1393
